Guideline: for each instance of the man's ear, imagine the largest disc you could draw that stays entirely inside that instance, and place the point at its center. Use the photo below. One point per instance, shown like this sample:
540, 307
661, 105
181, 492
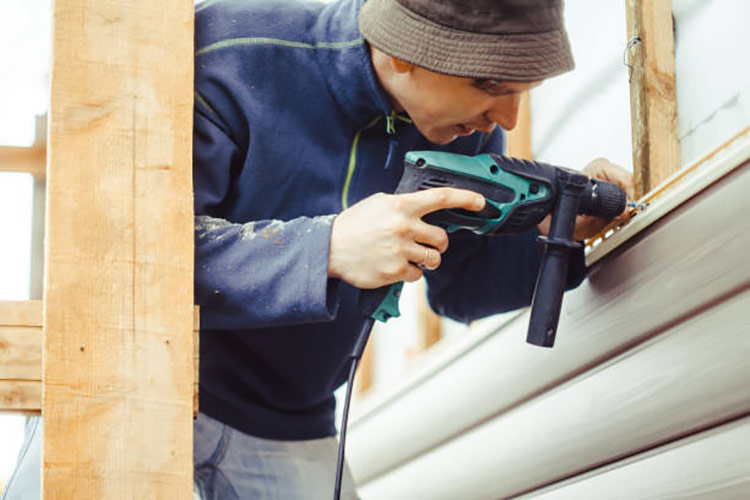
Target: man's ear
401, 66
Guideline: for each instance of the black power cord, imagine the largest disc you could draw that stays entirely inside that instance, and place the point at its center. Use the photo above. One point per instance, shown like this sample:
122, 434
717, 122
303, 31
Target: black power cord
359, 348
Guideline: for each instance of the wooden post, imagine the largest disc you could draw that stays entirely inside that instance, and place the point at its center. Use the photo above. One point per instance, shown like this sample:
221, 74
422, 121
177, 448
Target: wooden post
429, 329
118, 347
653, 101
366, 370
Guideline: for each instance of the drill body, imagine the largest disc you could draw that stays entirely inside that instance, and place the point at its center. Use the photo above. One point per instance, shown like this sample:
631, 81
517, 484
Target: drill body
519, 194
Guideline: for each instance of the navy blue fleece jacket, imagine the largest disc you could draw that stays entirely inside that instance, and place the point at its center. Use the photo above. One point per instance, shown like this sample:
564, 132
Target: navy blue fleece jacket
290, 129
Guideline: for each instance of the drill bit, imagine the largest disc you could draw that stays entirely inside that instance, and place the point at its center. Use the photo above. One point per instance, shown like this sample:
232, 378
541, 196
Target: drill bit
640, 207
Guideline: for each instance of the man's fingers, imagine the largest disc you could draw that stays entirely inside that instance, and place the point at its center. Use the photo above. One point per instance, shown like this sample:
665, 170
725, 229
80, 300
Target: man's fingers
413, 274
605, 170
423, 202
425, 257
430, 235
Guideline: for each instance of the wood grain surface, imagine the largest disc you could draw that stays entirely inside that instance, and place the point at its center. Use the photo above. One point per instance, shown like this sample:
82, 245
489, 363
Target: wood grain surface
653, 96
118, 319
21, 357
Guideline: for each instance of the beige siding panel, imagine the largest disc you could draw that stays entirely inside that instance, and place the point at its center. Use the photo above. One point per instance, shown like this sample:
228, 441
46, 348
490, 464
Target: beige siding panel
690, 378
693, 258
711, 465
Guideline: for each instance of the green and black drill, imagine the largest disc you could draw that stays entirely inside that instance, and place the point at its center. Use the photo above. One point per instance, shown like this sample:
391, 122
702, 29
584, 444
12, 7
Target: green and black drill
519, 194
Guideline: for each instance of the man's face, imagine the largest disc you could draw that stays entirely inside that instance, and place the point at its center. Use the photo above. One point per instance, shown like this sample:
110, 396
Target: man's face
444, 107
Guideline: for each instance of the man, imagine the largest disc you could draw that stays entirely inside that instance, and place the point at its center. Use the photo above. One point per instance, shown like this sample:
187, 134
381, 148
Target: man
303, 115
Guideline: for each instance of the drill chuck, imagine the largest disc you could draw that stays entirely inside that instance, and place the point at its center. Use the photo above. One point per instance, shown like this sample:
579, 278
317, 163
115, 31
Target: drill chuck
603, 199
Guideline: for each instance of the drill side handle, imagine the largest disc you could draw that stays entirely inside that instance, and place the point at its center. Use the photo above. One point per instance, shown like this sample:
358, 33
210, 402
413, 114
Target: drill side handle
553, 273
548, 295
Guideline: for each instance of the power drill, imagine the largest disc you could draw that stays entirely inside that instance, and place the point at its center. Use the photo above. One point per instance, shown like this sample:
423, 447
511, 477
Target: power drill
519, 194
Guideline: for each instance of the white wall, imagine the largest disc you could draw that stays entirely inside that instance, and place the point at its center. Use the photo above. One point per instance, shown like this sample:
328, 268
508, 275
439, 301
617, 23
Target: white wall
712, 72
585, 113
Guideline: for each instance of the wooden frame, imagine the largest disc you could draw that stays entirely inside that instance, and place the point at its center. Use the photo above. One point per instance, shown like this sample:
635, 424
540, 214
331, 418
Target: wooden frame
117, 354
30, 160
21, 356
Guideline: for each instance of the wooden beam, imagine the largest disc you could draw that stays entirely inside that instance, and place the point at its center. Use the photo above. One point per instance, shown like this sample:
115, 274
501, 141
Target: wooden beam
366, 369
31, 160
653, 98
118, 343
21, 357
429, 330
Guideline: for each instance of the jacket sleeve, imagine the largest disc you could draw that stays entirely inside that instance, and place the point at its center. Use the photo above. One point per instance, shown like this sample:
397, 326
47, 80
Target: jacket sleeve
484, 275
260, 273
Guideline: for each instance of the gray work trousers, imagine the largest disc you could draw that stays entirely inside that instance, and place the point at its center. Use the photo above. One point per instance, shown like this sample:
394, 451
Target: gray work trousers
229, 465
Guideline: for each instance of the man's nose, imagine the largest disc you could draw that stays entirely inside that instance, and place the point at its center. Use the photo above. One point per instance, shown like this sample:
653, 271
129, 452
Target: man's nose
504, 111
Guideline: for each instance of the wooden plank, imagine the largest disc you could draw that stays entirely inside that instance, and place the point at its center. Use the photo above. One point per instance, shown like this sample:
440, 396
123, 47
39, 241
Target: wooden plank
660, 391
653, 97
118, 319
429, 330
21, 396
695, 255
21, 313
366, 370
21, 353
31, 160
519, 139
21, 356
677, 470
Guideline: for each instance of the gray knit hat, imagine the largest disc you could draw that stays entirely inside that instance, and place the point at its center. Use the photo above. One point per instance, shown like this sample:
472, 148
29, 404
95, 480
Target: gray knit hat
506, 40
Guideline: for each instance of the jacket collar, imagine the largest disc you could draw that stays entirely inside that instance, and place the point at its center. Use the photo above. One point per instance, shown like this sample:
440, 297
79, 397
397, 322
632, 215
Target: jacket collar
348, 71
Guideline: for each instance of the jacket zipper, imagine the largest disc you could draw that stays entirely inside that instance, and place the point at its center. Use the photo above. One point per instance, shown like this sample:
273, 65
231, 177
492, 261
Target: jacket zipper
390, 129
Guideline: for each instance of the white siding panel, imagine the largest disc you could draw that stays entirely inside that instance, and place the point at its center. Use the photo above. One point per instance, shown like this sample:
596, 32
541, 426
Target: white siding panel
712, 465
689, 260
693, 376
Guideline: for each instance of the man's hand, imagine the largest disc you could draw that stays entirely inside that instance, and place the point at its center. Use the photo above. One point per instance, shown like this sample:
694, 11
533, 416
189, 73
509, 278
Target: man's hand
586, 225
383, 239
